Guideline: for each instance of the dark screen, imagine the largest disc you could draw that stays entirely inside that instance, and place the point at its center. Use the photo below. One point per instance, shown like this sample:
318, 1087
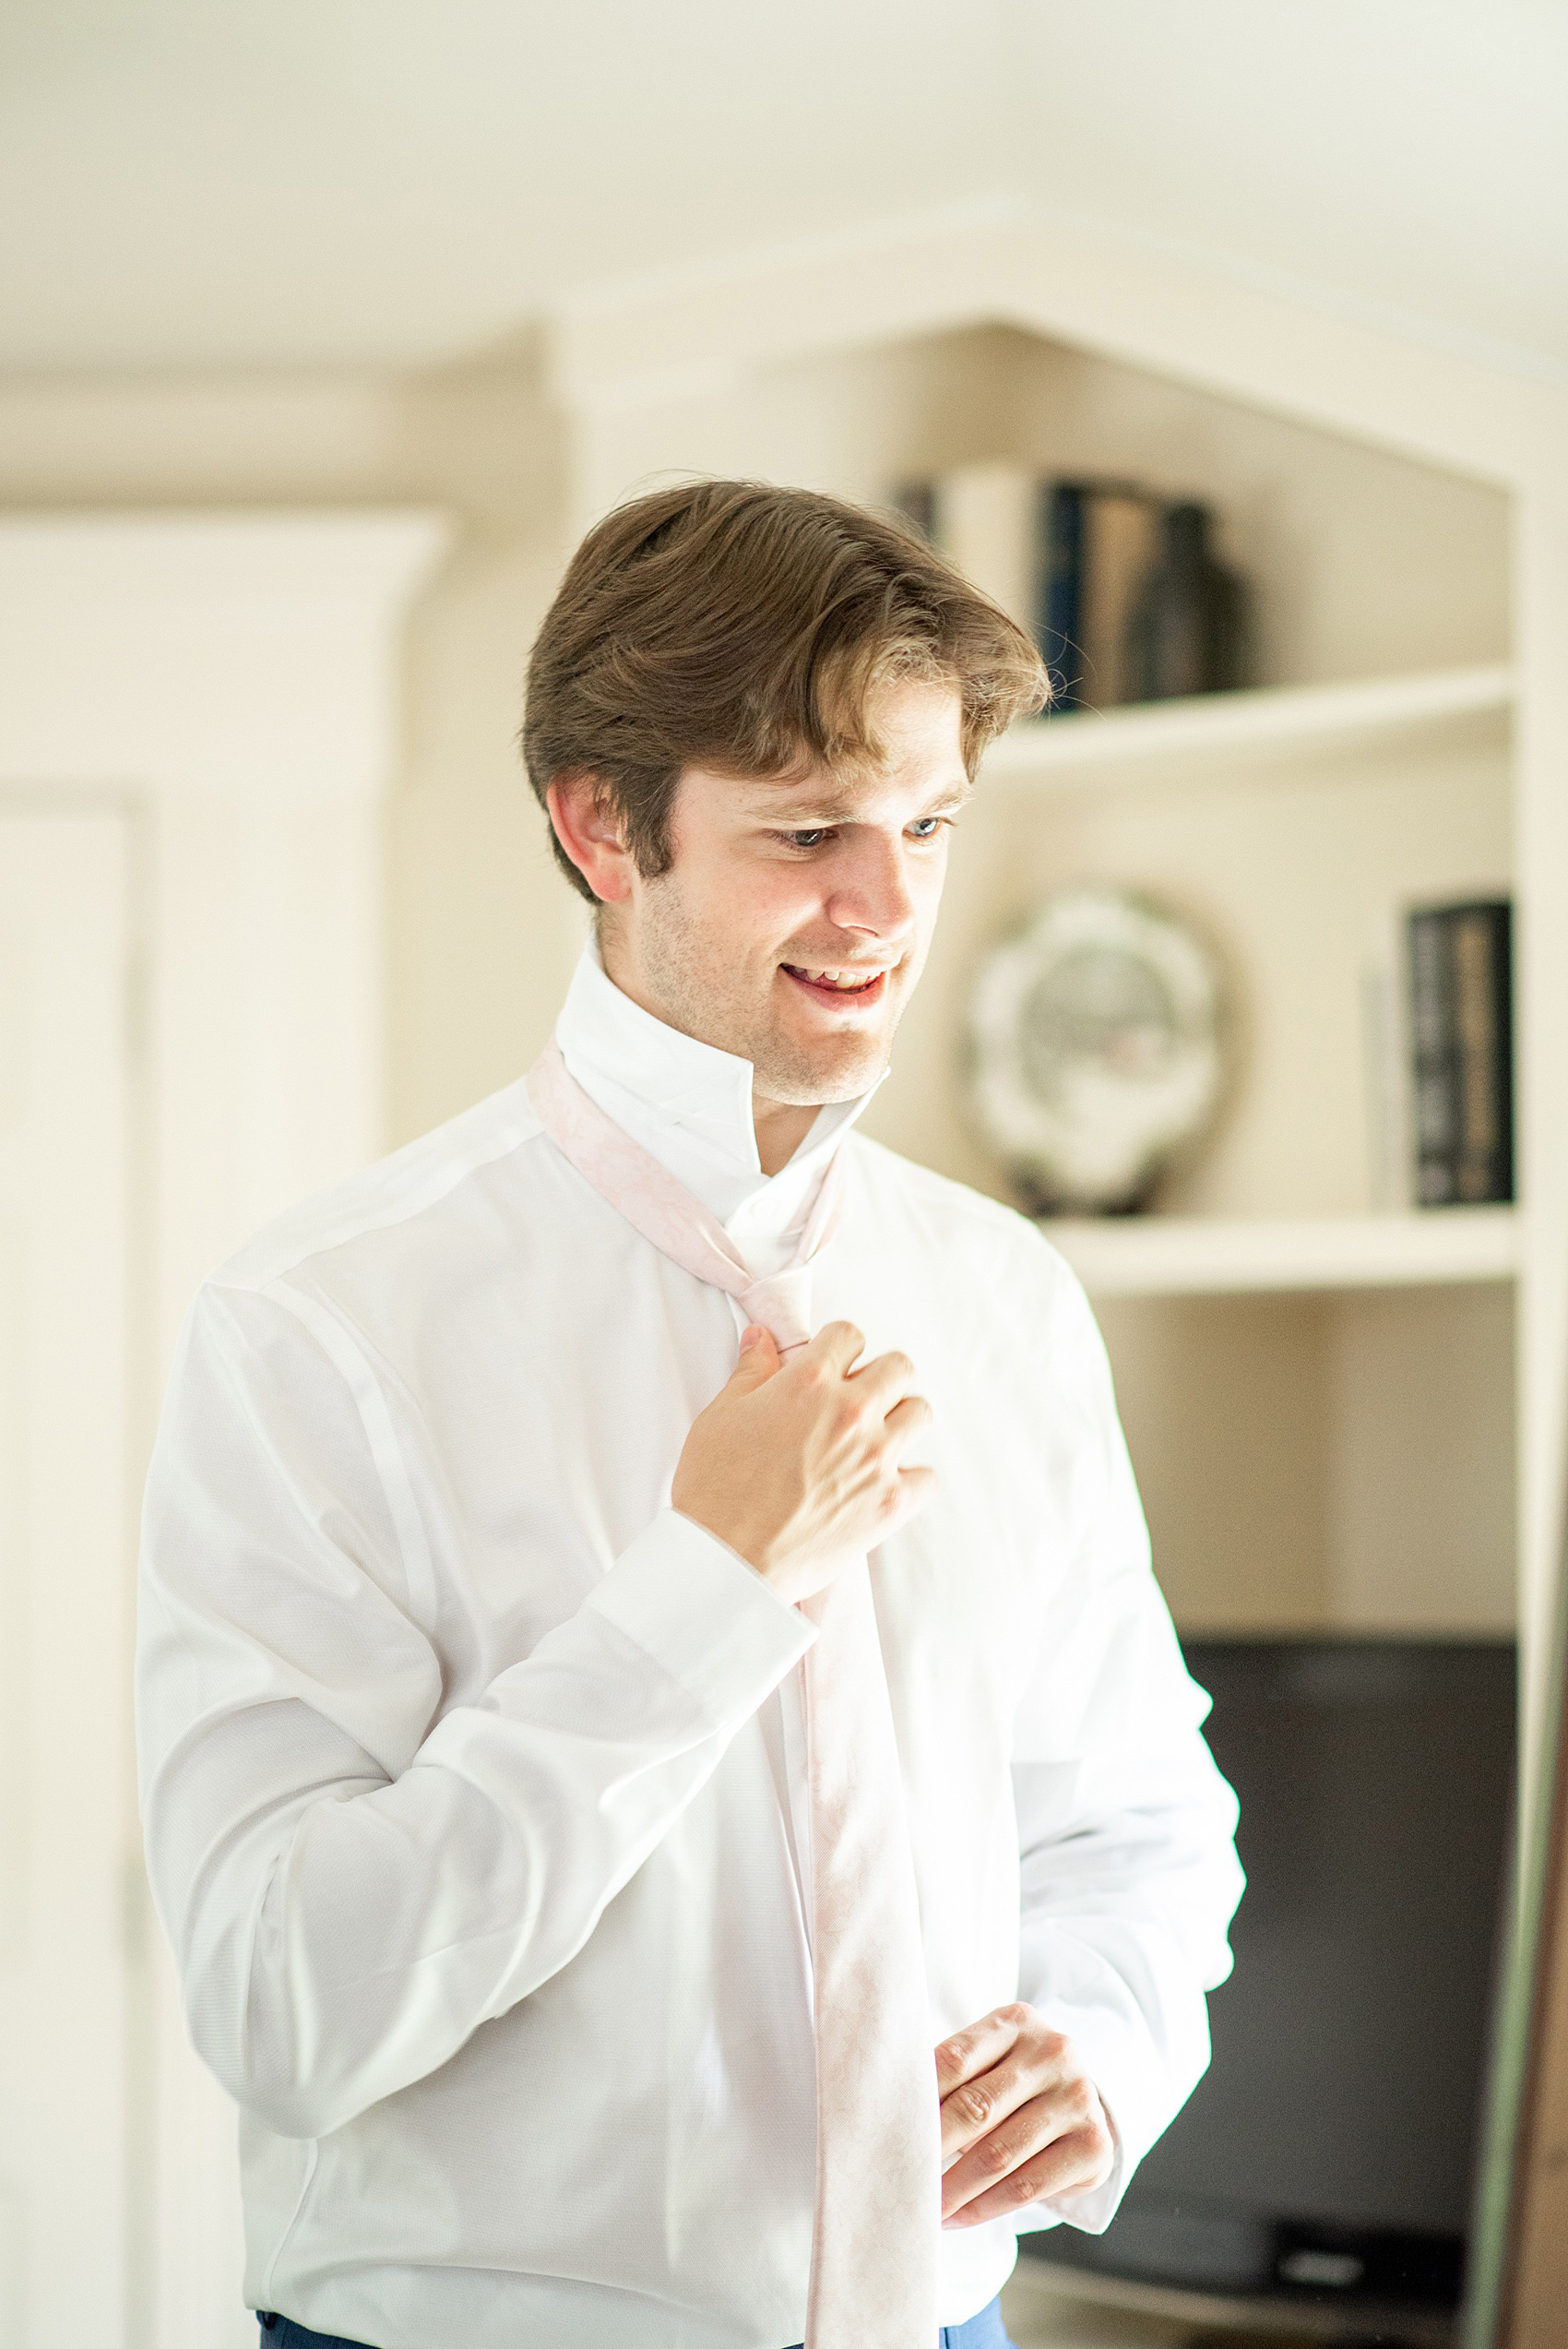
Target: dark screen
1375, 1782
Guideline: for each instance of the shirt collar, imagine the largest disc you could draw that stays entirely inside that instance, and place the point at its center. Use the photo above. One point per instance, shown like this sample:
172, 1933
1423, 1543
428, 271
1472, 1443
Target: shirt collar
690, 1106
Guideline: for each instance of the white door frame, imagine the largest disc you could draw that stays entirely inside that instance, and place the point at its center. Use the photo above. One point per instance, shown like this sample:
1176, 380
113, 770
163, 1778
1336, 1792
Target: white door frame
234, 680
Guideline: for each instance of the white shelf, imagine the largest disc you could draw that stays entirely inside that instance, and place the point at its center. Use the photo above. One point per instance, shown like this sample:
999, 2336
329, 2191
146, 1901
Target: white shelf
1181, 1256
1075, 749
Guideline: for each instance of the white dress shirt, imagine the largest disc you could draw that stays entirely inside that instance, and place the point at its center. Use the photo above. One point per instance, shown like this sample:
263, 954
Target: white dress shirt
470, 1768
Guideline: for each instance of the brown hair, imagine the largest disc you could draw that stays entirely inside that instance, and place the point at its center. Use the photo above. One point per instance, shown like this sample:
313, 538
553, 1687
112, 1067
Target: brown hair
748, 629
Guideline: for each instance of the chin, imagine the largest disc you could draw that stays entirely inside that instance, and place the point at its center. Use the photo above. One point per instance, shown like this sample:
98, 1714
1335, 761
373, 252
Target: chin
808, 1075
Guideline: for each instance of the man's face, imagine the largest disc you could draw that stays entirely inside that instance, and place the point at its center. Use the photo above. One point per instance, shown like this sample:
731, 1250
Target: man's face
796, 914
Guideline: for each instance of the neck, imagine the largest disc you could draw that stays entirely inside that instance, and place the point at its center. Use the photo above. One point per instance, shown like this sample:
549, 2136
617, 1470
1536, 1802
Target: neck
782, 1127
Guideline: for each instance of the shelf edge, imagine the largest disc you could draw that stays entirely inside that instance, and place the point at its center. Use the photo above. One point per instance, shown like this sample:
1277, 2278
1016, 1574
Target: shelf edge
1061, 750
1182, 1257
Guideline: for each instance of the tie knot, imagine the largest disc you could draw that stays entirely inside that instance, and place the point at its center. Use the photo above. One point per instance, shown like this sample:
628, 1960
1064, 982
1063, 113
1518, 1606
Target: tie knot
782, 1304
633, 1182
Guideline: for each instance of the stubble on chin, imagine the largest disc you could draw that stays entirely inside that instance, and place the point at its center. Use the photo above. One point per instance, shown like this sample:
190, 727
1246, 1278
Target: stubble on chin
842, 1069
693, 990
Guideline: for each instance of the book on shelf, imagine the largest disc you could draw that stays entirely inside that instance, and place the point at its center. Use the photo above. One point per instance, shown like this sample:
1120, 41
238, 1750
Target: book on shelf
1459, 973
982, 518
1118, 587
1100, 541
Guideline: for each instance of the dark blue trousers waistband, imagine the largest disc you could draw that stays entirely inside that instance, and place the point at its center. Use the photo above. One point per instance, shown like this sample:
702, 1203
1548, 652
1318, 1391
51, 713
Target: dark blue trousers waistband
984, 2331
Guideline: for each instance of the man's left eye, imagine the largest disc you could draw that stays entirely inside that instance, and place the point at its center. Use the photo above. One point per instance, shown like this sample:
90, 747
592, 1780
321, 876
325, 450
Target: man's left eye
925, 828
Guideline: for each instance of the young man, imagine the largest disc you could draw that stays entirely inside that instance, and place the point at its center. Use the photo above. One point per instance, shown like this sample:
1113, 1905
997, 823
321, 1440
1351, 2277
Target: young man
641, 1828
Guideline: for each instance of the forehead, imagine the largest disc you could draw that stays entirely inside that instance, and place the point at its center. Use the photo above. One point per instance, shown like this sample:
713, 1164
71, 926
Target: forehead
920, 728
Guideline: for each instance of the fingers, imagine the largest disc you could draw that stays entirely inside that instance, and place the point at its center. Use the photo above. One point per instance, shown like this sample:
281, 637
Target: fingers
880, 1384
1008, 2059
911, 1489
906, 1420
1020, 2117
978, 2045
1044, 2152
1015, 2127
837, 1345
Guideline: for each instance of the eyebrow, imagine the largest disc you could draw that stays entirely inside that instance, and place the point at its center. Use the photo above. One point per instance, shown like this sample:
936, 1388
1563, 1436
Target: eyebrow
837, 807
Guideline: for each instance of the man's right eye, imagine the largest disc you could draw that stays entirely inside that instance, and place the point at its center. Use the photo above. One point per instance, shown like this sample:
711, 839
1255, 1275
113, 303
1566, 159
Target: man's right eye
812, 839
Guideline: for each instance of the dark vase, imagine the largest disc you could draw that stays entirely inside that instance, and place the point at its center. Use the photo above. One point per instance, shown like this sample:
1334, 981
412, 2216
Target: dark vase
1187, 633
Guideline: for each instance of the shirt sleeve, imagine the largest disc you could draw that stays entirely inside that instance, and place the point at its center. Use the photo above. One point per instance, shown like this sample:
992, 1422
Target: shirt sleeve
1125, 1827
352, 1877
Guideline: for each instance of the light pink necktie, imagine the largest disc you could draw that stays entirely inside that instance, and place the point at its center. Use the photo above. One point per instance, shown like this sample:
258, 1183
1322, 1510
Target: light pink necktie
878, 2141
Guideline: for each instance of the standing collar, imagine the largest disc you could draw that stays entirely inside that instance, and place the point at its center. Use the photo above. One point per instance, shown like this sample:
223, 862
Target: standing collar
690, 1106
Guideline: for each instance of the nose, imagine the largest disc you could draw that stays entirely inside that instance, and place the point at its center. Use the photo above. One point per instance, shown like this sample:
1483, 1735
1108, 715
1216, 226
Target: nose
870, 894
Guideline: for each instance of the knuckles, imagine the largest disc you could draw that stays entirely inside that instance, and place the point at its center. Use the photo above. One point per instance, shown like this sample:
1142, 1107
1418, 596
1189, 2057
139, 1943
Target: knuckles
971, 2105
952, 2055
1082, 2103
993, 2159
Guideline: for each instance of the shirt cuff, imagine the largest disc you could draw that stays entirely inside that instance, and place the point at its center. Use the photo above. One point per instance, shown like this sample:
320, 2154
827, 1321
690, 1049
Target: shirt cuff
706, 1616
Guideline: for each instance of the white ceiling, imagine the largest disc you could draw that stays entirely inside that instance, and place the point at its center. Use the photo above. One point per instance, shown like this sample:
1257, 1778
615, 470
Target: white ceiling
306, 183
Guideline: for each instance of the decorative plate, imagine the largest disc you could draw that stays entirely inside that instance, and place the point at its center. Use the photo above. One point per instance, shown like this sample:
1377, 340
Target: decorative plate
1096, 1048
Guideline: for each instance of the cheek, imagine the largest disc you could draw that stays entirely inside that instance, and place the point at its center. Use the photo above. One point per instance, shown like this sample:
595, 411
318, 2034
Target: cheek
734, 912
766, 908
926, 892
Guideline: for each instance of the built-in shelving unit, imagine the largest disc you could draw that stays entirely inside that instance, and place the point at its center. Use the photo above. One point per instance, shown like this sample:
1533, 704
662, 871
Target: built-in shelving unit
1159, 1255
1338, 1417
1166, 739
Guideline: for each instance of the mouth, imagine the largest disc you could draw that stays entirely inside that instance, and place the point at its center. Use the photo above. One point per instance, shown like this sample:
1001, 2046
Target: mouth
845, 989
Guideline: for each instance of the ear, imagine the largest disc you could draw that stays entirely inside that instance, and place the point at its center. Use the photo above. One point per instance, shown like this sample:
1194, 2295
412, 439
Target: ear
589, 831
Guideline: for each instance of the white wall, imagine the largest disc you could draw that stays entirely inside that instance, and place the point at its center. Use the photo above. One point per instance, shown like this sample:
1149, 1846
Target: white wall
1317, 1459
480, 931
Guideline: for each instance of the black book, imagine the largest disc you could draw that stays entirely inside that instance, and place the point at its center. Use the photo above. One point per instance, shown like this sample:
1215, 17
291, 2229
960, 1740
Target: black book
1461, 1044
1062, 529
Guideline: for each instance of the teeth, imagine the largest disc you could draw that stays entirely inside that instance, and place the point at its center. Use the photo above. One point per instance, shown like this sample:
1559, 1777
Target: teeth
848, 981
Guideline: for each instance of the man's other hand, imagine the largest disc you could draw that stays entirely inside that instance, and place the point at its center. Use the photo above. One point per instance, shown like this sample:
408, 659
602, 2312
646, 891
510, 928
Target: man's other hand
1020, 2119
797, 1463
